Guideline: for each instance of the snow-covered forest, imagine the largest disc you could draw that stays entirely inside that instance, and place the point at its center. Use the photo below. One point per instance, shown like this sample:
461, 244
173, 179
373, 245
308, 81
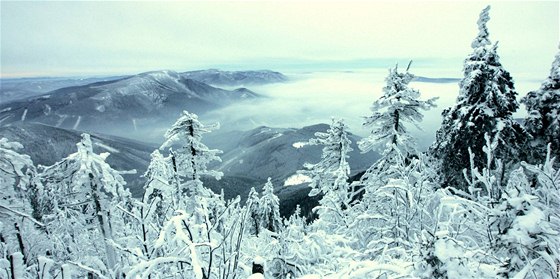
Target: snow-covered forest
482, 202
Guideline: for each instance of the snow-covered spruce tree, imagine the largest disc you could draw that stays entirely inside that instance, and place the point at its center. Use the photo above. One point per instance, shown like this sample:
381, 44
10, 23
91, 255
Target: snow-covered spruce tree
270, 209
485, 104
13, 175
543, 121
83, 188
21, 236
254, 219
191, 157
399, 105
329, 176
158, 200
395, 180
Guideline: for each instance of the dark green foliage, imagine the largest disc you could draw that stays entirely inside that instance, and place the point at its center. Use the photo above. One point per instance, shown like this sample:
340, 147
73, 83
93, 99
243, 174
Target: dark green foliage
543, 107
486, 102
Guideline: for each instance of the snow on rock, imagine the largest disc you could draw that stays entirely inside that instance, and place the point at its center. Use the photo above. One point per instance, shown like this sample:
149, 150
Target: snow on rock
256, 276
297, 179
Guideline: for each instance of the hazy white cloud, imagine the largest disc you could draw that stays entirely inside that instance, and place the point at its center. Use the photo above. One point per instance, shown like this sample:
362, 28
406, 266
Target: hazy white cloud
53, 38
316, 97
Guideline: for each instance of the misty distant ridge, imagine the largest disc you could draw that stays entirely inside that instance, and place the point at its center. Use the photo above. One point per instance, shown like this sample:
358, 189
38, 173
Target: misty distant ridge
236, 78
134, 104
20, 88
436, 80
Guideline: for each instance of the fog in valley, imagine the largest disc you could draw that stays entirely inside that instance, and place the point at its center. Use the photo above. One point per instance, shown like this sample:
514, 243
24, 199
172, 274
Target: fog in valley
315, 97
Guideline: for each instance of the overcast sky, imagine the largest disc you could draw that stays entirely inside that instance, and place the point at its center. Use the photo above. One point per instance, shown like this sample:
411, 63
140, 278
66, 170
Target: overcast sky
99, 38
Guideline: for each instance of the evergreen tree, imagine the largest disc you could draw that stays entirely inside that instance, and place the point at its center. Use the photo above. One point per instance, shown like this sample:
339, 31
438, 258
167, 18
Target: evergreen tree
485, 104
254, 218
18, 191
397, 106
13, 175
270, 209
191, 158
83, 188
329, 177
395, 187
159, 198
543, 121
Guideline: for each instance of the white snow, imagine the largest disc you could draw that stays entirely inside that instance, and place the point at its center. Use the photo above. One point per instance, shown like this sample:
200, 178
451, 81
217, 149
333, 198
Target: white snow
299, 144
297, 179
6, 109
446, 249
77, 122
67, 271
277, 135
62, 118
106, 147
47, 109
134, 124
258, 260
19, 266
24, 115
527, 225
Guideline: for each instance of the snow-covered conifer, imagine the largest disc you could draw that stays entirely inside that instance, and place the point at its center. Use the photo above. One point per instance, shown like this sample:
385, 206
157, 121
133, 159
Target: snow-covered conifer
270, 209
399, 105
543, 121
13, 177
82, 187
191, 157
393, 187
17, 247
254, 219
159, 196
329, 176
486, 101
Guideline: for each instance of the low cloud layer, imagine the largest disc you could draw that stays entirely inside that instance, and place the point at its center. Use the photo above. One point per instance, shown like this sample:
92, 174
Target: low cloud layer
312, 98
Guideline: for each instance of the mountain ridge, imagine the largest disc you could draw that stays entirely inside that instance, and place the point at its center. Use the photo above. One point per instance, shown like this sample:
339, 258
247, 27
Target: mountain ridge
131, 103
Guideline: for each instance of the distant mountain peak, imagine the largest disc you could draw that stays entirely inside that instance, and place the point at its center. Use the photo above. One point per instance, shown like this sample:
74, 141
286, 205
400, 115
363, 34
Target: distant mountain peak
134, 103
235, 78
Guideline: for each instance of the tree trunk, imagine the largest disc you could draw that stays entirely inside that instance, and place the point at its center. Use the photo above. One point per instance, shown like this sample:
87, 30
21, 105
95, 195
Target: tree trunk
16, 265
20, 241
103, 224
